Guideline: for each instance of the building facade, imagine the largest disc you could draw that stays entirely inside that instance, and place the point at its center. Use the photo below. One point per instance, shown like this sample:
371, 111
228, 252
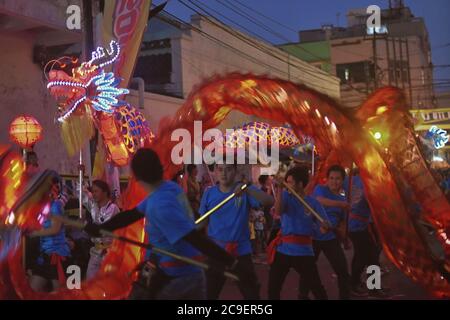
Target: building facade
397, 54
174, 58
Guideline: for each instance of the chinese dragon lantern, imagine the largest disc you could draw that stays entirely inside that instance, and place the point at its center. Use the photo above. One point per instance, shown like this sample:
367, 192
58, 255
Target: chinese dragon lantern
90, 97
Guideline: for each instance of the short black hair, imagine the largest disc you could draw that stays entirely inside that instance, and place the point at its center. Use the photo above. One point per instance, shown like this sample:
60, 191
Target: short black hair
336, 168
102, 185
299, 174
190, 168
146, 166
263, 178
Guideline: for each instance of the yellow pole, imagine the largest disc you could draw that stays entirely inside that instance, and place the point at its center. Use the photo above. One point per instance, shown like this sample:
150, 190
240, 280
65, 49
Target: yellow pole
220, 205
318, 217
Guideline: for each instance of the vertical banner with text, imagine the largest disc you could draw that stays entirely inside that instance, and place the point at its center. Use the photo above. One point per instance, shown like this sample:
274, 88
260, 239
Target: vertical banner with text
125, 21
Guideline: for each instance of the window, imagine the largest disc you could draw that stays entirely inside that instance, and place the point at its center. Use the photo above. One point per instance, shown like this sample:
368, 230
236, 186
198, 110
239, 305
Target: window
357, 72
398, 70
154, 69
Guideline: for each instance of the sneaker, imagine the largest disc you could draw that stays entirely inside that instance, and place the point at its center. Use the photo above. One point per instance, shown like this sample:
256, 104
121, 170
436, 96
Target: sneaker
359, 291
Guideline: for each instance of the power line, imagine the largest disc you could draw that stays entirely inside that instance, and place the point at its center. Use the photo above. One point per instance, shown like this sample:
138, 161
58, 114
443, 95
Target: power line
223, 44
261, 25
236, 23
258, 23
254, 21
267, 17
257, 45
282, 37
245, 39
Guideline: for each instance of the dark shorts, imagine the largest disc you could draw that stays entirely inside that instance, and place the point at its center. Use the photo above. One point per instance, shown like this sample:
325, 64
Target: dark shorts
43, 267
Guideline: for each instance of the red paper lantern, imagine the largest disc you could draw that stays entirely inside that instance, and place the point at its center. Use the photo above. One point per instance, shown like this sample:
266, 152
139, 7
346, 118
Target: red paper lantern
25, 131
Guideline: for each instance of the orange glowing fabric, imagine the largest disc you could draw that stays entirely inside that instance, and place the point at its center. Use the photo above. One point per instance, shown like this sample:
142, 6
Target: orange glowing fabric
401, 190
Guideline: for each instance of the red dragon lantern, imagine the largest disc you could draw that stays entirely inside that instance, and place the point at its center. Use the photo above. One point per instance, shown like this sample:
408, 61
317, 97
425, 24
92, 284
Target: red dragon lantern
410, 211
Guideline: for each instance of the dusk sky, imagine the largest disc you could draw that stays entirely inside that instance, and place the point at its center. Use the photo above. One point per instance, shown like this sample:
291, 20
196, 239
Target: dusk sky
294, 15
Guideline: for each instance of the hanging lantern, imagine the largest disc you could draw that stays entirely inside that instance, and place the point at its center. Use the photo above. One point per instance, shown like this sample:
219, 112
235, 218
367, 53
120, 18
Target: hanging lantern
25, 131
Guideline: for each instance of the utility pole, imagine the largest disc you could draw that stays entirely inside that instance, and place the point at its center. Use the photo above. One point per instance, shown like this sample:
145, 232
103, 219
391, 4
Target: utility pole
374, 47
409, 72
87, 47
400, 42
395, 63
88, 30
388, 55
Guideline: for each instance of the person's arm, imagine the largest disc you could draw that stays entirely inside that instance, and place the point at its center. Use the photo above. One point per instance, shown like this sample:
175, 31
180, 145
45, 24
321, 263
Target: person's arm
262, 197
54, 229
278, 208
325, 226
320, 194
208, 247
332, 203
220, 259
119, 221
111, 211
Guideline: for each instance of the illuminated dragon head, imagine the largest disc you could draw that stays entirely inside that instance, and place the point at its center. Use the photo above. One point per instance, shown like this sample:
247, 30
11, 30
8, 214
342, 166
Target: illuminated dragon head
89, 84
93, 91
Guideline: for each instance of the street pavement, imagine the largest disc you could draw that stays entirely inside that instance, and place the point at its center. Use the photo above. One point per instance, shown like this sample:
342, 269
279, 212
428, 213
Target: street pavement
399, 286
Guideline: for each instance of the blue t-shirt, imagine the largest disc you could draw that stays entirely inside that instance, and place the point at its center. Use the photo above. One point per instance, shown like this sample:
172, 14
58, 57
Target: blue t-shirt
335, 214
446, 184
56, 243
168, 218
295, 221
229, 223
360, 206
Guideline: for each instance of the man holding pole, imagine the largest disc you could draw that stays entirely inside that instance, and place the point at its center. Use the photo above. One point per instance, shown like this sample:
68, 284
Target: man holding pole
170, 227
365, 247
228, 226
292, 248
334, 203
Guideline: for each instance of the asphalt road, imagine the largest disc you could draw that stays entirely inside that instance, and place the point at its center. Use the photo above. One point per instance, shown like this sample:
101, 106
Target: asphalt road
399, 286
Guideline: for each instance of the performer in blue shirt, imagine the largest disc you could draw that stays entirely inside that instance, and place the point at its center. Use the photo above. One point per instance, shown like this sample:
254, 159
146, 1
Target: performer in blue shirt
334, 202
365, 247
292, 247
228, 226
54, 248
169, 225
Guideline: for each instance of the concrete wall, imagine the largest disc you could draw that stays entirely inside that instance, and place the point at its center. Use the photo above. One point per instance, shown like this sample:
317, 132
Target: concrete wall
203, 58
156, 106
23, 91
50, 13
358, 49
22, 83
195, 58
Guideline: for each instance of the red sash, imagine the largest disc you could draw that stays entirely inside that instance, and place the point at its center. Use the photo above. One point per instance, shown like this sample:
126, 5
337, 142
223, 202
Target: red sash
57, 260
279, 239
232, 248
357, 217
179, 263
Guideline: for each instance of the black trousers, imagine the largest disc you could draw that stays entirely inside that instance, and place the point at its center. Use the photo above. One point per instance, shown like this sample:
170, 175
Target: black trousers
248, 288
365, 253
305, 267
335, 255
